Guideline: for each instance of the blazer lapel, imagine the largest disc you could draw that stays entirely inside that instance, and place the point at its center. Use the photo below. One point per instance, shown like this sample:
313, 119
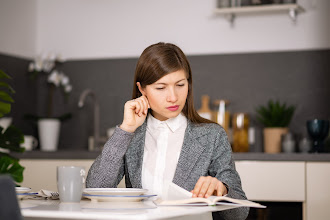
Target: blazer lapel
190, 152
134, 156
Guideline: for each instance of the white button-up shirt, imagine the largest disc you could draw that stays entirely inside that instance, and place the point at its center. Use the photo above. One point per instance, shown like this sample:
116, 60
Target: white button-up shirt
162, 149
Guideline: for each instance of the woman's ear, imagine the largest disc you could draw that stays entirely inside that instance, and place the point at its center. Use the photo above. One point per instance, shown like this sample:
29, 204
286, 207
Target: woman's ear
141, 89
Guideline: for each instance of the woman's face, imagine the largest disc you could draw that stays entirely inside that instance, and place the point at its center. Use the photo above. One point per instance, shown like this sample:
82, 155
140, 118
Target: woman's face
168, 95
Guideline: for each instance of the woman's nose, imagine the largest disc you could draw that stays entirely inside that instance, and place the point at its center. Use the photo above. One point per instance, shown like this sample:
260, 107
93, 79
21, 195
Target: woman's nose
172, 95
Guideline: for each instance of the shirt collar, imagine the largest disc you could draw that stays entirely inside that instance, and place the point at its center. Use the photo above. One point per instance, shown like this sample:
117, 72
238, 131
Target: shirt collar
173, 123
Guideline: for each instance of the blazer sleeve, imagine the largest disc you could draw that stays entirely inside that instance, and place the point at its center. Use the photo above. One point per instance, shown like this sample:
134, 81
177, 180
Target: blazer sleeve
108, 168
223, 168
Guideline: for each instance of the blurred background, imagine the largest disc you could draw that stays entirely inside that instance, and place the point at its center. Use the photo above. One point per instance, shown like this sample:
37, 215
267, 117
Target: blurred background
248, 61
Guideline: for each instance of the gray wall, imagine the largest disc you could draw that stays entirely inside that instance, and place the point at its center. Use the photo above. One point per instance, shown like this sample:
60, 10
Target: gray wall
301, 78
26, 90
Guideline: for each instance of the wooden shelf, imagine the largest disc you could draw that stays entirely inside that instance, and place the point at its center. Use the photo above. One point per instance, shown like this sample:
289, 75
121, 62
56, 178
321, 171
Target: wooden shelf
231, 12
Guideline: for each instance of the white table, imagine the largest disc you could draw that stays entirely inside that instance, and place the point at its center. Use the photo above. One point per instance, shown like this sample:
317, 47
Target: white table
54, 209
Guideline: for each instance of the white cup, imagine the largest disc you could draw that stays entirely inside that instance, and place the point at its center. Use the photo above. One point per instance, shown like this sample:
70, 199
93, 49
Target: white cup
30, 142
70, 183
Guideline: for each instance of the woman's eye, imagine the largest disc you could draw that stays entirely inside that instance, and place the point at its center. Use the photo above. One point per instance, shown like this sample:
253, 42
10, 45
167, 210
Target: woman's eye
160, 88
180, 84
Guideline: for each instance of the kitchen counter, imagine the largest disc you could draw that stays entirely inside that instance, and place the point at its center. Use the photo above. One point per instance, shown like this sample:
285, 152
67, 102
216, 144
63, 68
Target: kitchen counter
259, 156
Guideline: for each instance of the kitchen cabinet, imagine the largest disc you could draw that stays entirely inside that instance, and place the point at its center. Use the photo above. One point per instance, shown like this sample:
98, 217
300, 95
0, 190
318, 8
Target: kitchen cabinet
41, 173
273, 181
318, 190
231, 12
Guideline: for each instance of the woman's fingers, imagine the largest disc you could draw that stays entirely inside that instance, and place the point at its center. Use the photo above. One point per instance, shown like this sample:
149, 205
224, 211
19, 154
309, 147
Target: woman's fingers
201, 186
138, 107
221, 189
207, 186
145, 104
212, 187
135, 112
198, 187
141, 105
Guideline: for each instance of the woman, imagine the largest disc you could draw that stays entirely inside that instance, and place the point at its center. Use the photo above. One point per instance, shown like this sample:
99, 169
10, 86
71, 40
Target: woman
162, 140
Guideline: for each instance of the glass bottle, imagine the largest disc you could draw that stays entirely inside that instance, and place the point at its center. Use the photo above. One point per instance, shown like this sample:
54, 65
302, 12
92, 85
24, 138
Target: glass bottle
221, 114
240, 124
288, 143
205, 111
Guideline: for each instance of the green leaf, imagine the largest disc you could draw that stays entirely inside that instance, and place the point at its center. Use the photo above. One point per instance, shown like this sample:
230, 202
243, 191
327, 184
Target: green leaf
5, 108
11, 166
4, 75
275, 114
6, 85
11, 139
4, 96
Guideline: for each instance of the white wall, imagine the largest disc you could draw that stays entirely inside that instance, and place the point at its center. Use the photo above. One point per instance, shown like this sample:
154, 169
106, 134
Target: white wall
18, 22
83, 29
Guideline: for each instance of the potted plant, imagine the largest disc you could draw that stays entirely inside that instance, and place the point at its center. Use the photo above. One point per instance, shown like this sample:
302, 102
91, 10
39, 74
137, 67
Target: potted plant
49, 125
10, 138
275, 117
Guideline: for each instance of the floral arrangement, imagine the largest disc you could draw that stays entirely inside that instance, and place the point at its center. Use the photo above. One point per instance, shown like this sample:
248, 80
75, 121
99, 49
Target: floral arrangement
56, 78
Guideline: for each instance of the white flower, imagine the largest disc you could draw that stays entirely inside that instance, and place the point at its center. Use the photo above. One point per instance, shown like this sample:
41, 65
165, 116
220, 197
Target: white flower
31, 67
65, 80
67, 88
55, 78
48, 65
38, 64
51, 57
60, 58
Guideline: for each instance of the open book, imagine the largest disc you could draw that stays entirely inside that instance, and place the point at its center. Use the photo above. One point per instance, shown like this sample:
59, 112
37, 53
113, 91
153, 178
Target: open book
212, 200
179, 196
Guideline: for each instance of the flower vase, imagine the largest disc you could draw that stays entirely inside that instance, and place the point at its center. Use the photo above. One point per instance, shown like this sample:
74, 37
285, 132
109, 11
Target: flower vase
272, 139
49, 131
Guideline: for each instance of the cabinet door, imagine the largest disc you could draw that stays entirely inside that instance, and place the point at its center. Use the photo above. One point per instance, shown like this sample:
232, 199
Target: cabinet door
41, 174
318, 190
273, 180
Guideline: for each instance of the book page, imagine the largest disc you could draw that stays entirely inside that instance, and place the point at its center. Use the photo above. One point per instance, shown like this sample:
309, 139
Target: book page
175, 192
220, 200
179, 196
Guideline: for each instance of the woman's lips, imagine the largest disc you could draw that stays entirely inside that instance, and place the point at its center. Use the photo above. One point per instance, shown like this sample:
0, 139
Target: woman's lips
173, 108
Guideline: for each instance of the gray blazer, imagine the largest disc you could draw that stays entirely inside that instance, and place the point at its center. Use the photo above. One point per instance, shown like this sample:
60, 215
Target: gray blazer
205, 152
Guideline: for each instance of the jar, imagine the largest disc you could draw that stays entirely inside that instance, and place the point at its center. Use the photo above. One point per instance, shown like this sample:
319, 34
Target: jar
288, 143
240, 125
221, 114
305, 145
205, 111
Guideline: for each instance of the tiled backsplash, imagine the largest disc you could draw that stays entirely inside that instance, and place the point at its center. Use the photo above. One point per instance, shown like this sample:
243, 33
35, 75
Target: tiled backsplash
301, 78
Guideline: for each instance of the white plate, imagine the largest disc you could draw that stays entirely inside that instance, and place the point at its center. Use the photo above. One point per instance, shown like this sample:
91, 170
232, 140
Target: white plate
22, 189
115, 191
116, 198
22, 195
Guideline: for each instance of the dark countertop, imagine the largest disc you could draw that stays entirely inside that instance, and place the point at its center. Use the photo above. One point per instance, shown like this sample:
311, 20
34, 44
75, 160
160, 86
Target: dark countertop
324, 157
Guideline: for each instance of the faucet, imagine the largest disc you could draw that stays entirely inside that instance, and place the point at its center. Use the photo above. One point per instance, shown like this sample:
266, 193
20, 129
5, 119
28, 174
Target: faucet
81, 102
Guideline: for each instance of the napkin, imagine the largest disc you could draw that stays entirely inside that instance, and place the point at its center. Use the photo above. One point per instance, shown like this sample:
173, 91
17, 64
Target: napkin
48, 194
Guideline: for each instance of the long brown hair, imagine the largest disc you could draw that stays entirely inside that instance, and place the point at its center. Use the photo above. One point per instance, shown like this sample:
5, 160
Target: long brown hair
159, 60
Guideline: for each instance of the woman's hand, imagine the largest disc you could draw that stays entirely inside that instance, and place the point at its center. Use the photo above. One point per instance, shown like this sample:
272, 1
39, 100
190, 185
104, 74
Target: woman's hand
207, 186
135, 112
